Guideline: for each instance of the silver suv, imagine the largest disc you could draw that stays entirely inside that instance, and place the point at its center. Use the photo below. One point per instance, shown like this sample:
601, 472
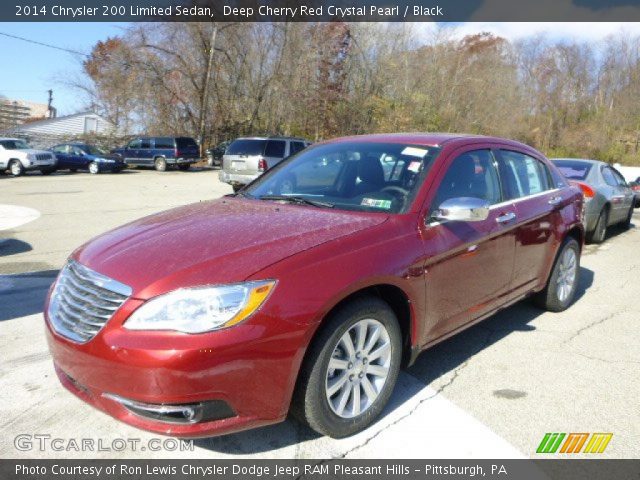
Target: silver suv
247, 158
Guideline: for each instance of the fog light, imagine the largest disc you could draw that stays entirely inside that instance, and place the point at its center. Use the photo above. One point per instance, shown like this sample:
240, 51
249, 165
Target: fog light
186, 413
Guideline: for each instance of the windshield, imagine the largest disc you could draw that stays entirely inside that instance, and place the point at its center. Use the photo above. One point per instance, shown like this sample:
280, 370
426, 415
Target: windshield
382, 177
91, 150
573, 169
14, 144
246, 147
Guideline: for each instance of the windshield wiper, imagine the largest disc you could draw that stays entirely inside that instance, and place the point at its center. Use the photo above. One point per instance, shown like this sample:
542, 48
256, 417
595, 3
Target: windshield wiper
298, 200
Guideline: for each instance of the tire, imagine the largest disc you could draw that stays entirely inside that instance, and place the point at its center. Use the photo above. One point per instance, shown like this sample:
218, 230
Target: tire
184, 167
16, 168
160, 164
600, 231
94, 168
336, 413
563, 281
237, 188
626, 223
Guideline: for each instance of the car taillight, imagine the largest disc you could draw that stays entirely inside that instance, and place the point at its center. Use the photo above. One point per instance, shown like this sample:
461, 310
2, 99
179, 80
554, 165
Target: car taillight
262, 165
178, 153
587, 191
636, 188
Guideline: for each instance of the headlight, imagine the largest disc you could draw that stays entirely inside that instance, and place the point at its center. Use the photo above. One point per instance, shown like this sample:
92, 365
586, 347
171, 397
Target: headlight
105, 160
197, 310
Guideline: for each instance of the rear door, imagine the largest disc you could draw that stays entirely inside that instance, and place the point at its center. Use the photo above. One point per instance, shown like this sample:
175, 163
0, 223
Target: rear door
146, 153
62, 155
295, 147
187, 148
527, 182
620, 201
468, 265
78, 157
274, 152
626, 191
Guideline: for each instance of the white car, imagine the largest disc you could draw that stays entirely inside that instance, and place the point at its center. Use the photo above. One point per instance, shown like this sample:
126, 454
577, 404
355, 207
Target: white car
17, 157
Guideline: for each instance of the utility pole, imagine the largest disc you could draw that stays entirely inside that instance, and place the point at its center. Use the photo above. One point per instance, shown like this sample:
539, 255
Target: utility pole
205, 89
50, 109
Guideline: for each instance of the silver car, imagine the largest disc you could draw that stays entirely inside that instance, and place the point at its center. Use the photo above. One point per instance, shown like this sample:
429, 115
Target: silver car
247, 158
608, 198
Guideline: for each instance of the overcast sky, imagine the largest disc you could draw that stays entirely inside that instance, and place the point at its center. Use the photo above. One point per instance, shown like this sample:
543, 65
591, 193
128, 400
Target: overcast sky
29, 70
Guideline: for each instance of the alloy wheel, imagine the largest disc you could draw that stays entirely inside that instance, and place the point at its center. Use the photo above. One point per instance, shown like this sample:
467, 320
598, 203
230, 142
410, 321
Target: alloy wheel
567, 274
358, 368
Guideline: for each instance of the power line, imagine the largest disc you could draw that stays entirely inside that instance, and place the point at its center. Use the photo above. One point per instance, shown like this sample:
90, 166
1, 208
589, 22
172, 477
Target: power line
42, 44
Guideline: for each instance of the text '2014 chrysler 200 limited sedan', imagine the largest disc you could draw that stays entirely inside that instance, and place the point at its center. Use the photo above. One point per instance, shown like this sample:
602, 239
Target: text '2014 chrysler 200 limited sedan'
309, 288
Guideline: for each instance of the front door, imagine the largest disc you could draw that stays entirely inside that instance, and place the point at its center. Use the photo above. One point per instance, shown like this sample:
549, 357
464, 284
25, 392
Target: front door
538, 205
468, 265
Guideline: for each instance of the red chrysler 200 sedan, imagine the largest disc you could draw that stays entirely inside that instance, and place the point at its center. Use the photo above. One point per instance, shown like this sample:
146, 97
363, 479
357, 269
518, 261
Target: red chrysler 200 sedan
307, 290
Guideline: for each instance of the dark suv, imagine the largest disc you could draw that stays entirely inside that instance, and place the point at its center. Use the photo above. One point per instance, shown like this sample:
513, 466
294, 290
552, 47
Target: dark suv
160, 152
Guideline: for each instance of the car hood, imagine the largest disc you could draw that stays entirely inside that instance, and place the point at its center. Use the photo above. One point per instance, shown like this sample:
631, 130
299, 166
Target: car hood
31, 151
221, 241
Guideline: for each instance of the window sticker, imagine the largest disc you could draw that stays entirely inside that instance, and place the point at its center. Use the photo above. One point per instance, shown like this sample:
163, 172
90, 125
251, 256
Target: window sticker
414, 167
377, 203
415, 152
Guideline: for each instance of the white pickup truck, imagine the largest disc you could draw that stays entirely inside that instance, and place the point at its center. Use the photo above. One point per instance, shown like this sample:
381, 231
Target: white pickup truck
17, 157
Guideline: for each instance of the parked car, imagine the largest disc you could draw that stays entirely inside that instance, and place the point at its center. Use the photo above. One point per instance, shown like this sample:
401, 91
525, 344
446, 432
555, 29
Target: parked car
215, 154
82, 156
635, 186
608, 198
160, 152
247, 158
307, 290
17, 157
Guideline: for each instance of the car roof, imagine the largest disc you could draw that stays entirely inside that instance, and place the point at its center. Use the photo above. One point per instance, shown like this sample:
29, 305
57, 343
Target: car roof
582, 160
274, 137
428, 139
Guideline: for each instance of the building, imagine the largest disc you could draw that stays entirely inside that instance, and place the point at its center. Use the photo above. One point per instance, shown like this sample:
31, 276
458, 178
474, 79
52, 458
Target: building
18, 112
43, 133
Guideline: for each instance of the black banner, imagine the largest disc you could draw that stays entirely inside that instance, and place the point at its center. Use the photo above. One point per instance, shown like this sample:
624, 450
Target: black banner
319, 10
565, 469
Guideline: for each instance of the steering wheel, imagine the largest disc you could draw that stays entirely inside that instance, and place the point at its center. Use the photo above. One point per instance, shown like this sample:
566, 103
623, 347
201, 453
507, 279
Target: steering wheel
400, 193
394, 189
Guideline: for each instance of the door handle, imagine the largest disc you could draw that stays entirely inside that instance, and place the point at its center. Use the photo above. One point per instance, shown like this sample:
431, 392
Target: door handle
506, 217
555, 201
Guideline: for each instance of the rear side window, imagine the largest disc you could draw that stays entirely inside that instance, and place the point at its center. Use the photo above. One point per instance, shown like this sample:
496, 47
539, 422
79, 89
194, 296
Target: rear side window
164, 142
619, 178
472, 174
609, 177
246, 147
573, 170
275, 148
145, 143
295, 147
522, 175
186, 142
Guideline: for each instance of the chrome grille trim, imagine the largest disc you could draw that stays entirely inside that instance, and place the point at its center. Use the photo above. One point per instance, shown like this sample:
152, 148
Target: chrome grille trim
83, 301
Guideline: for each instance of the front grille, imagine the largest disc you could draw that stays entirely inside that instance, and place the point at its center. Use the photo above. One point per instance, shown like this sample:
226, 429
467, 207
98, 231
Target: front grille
83, 301
43, 156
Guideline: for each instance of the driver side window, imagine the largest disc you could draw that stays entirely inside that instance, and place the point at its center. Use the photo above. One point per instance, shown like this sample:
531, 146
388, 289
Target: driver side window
471, 174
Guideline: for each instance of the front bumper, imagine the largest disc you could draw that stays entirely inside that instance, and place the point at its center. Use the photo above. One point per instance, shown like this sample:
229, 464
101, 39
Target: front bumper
250, 368
236, 178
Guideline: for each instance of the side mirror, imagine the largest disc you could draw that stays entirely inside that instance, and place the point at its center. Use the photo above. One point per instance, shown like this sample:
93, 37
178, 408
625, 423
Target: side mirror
462, 209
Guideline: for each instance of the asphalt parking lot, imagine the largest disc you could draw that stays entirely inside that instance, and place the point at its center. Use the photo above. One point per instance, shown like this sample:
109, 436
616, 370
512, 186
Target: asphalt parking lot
492, 391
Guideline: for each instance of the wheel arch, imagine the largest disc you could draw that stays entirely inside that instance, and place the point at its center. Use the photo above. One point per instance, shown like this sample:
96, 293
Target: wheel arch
398, 301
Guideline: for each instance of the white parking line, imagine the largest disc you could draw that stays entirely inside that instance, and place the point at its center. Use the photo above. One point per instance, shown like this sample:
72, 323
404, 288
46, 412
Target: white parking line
12, 216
